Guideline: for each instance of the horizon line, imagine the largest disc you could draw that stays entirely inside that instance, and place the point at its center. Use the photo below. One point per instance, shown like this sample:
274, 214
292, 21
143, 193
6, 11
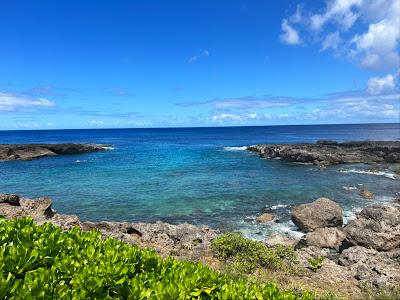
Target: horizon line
194, 127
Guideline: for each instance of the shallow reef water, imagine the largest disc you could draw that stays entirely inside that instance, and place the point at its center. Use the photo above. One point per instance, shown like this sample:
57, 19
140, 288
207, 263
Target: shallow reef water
196, 175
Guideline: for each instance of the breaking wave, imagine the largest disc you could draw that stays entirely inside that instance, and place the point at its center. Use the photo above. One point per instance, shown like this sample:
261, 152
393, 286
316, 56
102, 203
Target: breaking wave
378, 173
241, 148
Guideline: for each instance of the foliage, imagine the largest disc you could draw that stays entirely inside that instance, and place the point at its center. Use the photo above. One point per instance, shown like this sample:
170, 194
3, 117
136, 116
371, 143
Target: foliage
245, 255
44, 262
316, 263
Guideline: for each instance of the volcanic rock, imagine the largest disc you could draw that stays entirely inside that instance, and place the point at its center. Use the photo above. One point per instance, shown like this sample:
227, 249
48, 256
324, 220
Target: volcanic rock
321, 213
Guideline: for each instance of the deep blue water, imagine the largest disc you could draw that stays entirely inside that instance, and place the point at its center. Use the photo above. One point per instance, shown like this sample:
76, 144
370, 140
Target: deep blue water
191, 174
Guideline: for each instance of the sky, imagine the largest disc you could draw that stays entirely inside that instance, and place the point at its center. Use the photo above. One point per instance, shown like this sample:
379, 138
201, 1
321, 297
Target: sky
118, 64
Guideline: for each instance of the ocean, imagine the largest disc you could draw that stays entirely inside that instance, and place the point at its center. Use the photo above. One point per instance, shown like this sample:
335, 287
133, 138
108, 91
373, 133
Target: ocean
195, 175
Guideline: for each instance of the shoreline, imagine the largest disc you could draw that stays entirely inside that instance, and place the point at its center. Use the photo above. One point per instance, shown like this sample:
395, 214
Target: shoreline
326, 152
35, 151
365, 251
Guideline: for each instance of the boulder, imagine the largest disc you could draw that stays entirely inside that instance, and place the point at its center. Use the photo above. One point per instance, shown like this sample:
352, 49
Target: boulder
377, 227
265, 217
328, 237
10, 199
366, 194
321, 213
371, 266
280, 239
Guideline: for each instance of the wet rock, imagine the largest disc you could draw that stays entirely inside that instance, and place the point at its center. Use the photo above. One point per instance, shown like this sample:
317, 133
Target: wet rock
321, 213
371, 266
10, 199
376, 227
366, 194
265, 217
34, 151
280, 239
325, 153
329, 237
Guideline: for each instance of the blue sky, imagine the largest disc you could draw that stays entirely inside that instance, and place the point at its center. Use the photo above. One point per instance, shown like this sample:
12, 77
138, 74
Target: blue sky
91, 64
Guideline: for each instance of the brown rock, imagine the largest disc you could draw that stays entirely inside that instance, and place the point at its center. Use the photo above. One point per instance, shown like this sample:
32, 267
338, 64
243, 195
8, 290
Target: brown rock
377, 227
329, 237
280, 239
371, 266
366, 194
321, 213
265, 217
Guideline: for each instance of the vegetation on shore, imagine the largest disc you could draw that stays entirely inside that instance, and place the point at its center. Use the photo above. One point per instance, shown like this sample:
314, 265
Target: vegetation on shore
243, 256
45, 262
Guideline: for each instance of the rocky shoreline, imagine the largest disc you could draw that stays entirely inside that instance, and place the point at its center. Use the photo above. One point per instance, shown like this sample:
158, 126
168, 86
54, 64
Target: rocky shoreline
183, 240
325, 153
365, 252
34, 151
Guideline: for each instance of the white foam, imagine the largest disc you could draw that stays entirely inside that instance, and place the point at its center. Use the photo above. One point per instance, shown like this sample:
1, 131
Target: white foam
349, 188
378, 173
241, 148
278, 206
288, 228
80, 161
348, 215
107, 148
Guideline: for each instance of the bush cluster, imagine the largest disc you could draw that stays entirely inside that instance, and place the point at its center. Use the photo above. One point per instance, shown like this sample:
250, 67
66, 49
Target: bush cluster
243, 255
44, 262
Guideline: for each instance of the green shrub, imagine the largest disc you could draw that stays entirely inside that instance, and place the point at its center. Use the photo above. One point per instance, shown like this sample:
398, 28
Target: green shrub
44, 262
245, 255
316, 263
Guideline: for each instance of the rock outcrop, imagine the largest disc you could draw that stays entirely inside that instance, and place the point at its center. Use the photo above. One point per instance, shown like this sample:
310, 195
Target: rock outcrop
34, 151
376, 227
328, 237
321, 213
325, 153
265, 217
183, 240
371, 266
366, 194
280, 239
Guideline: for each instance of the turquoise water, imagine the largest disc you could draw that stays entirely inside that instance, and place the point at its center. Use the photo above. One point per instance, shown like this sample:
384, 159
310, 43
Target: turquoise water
195, 175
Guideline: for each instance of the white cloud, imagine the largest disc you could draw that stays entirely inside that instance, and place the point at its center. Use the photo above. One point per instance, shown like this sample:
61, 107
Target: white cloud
378, 47
96, 122
239, 117
195, 58
289, 35
373, 43
381, 85
13, 102
338, 11
332, 41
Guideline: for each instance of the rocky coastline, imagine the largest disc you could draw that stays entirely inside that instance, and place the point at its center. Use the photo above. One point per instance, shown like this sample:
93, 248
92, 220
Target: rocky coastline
184, 240
325, 153
34, 151
364, 252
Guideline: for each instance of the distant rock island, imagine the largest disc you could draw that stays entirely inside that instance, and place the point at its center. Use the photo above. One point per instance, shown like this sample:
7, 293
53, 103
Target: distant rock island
324, 153
34, 151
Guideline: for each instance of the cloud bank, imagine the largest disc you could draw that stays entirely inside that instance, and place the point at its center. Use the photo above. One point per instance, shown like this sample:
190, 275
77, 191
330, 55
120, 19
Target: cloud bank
365, 31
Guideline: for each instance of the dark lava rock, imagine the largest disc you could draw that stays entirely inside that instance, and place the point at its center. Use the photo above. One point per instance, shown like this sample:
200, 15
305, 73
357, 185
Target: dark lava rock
33, 151
10, 199
325, 153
